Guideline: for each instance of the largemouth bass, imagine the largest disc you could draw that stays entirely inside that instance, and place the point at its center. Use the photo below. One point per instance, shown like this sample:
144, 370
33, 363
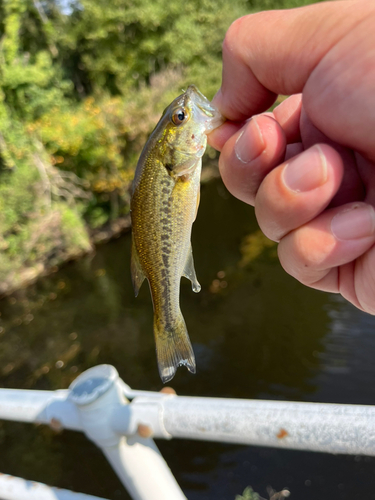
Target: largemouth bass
165, 199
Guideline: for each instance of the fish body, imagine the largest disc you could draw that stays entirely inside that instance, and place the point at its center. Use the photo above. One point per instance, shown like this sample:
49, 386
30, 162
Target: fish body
165, 199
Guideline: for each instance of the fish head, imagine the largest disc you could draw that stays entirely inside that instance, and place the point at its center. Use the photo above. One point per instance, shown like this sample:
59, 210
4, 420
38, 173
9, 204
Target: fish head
185, 125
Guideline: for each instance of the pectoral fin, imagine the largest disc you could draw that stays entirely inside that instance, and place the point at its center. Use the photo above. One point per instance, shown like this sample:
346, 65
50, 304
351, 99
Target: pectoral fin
189, 272
136, 269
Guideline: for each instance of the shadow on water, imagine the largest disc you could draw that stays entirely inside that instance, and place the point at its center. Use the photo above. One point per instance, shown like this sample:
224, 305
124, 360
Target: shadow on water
256, 332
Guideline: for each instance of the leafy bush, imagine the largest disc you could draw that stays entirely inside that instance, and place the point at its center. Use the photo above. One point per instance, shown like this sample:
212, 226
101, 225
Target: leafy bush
250, 494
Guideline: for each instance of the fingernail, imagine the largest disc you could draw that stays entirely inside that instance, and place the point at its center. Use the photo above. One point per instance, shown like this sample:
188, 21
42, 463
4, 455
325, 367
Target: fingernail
249, 146
306, 172
354, 223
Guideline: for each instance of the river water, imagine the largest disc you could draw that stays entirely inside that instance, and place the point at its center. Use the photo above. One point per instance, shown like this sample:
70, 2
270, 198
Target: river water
256, 332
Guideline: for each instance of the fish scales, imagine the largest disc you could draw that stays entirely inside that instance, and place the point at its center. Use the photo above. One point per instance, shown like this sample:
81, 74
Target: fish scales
163, 221
163, 208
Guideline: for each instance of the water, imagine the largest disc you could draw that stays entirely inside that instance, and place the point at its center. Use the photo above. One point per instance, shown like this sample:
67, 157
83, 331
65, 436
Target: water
256, 332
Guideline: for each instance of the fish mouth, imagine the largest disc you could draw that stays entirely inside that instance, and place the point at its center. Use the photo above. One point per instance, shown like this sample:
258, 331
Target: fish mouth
211, 115
198, 153
201, 101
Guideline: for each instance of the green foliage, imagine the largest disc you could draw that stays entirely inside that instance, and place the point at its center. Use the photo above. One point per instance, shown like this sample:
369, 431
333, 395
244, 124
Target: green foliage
279, 4
14, 198
125, 42
248, 494
73, 231
258, 5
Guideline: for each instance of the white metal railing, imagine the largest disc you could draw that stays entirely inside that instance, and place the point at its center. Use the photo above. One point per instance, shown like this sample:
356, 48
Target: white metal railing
115, 417
15, 488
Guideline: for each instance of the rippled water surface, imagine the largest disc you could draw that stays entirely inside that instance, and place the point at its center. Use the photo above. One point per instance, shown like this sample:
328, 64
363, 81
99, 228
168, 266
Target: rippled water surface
256, 332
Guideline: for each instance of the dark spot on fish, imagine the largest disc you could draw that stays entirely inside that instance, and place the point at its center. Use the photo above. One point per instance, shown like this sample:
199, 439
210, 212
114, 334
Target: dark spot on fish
193, 136
164, 237
167, 316
169, 166
165, 191
169, 330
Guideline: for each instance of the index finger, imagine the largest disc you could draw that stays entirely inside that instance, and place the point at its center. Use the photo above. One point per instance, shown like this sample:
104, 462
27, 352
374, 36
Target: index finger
275, 52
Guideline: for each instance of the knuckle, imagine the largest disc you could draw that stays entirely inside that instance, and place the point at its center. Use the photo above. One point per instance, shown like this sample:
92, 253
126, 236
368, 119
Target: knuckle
302, 258
235, 33
230, 44
245, 25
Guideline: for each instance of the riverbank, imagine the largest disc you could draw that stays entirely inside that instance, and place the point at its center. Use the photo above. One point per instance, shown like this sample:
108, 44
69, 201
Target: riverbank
27, 275
88, 239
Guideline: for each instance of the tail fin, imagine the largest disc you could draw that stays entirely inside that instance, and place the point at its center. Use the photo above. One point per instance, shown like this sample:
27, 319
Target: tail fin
173, 348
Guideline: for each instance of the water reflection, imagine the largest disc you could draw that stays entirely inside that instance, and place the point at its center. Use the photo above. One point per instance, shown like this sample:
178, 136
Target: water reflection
257, 333
348, 356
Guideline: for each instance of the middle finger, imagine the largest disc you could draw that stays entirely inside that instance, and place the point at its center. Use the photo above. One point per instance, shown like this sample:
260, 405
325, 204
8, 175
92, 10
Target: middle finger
298, 190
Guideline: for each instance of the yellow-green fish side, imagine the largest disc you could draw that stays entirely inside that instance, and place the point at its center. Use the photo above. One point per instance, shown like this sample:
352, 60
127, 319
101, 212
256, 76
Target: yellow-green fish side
164, 204
161, 244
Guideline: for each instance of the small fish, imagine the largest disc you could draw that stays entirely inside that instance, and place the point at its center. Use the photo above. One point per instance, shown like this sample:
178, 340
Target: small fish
165, 199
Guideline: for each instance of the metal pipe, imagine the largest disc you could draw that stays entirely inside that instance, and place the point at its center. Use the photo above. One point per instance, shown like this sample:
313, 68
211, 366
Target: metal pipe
89, 405
96, 404
15, 488
98, 393
44, 407
331, 428
23, 405
142, 469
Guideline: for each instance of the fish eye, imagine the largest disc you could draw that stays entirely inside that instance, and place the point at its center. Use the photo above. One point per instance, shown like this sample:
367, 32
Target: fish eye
179, 116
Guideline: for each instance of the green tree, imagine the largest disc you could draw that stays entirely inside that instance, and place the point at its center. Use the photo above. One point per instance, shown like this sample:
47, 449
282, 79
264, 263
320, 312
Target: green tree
121, 43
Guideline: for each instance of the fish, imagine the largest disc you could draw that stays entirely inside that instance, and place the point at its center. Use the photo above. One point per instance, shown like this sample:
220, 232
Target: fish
164, 203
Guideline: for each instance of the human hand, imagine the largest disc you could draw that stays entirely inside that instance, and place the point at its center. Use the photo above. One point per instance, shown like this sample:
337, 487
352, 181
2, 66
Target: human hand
308, 167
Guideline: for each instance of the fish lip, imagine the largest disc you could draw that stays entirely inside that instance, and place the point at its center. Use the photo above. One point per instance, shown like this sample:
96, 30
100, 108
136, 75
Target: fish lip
205, 106
201, 101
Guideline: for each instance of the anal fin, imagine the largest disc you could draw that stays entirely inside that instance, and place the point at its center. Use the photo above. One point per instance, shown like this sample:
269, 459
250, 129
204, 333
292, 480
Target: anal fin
189, 272
137, 273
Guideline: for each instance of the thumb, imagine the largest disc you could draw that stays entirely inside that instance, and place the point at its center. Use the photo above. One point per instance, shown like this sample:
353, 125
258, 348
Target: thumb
323, 50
